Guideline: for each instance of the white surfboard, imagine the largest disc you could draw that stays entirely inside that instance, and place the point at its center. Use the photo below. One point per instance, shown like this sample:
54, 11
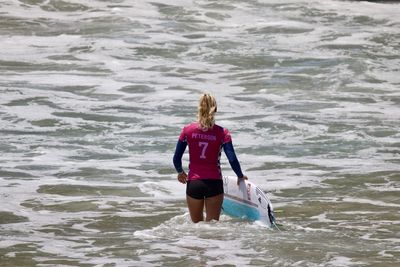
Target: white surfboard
247, 201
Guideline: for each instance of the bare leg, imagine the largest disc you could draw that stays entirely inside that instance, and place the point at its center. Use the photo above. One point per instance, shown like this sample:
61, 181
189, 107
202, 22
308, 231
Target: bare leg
213, 207
196, 207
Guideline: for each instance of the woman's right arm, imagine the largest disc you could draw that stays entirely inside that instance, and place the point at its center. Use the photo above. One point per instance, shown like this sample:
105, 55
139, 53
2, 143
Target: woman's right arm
233, 161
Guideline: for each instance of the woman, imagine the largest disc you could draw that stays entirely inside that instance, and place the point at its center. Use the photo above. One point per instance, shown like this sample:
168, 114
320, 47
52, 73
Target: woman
204, 186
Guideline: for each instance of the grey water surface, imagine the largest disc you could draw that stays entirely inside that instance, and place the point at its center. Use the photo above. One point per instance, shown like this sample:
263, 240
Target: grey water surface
93, 95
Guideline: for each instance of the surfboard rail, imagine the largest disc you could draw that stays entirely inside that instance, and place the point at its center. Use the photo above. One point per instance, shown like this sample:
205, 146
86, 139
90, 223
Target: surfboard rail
247, 201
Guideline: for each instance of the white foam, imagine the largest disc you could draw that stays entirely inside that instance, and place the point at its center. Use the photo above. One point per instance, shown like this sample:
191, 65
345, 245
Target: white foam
341, 261
371, 201
258, 78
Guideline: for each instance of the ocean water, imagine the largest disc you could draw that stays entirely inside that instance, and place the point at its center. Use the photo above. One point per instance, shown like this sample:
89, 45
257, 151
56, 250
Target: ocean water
93, 94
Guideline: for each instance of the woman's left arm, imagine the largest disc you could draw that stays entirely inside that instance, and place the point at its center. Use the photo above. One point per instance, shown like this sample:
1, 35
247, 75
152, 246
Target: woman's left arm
179, 150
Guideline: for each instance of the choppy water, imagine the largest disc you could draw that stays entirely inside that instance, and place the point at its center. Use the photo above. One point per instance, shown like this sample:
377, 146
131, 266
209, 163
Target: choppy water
93, 95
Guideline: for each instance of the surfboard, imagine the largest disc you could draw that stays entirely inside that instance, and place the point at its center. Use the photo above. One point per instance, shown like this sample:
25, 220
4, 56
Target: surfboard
247, 201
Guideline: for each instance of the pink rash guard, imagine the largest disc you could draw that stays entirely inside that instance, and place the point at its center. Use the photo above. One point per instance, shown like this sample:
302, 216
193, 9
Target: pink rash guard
204, 150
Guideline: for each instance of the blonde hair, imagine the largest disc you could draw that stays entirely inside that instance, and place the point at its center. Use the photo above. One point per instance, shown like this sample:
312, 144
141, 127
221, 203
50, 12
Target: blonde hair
206, 111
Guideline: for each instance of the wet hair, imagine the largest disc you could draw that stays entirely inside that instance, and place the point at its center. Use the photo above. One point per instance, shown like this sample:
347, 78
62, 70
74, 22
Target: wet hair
206, 111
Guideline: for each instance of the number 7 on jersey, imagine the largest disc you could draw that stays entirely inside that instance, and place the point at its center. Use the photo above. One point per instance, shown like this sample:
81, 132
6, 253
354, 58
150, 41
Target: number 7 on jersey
203, 146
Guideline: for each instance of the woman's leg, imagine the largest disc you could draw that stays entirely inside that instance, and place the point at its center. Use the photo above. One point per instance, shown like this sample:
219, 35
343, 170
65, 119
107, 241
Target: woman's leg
213, 207
196, 207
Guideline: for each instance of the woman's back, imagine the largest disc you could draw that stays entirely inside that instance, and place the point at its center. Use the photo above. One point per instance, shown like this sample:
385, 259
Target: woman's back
204, 150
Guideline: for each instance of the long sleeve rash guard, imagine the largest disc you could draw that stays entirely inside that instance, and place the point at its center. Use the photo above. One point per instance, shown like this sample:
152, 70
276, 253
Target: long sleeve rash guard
228, 149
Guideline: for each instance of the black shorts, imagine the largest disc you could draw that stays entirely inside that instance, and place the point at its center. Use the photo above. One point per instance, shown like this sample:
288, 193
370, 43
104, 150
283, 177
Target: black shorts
204, 188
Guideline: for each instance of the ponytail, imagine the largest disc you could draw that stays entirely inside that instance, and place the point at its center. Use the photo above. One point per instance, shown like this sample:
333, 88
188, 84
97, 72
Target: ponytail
206, 111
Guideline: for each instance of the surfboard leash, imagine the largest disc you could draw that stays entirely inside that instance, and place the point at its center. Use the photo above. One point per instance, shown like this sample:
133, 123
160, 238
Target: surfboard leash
272, 219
